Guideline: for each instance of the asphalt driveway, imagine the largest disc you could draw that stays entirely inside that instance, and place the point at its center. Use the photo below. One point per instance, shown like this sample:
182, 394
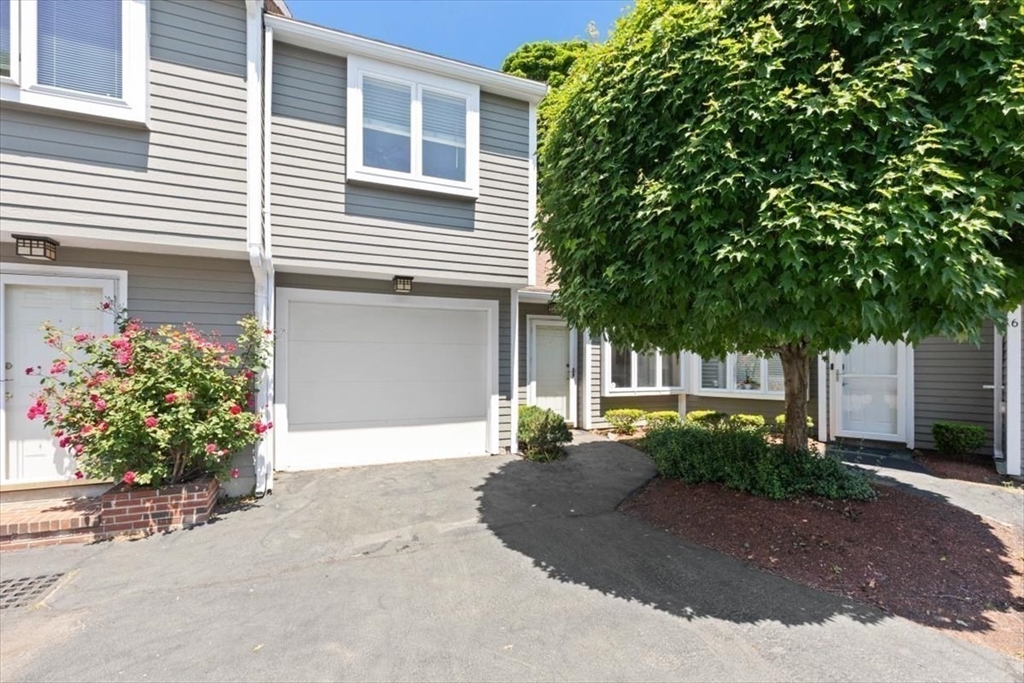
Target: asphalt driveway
475, 569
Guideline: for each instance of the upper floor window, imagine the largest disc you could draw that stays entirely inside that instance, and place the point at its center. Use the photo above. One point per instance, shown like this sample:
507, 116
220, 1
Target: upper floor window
412, 130
744, 373
633, 372
84, 56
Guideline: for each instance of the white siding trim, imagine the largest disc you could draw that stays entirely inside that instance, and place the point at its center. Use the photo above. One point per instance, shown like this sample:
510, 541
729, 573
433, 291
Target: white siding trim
56, 270
532, 198
514, 391
1014, 326
822, 398
909, 400
286, 295
335, 42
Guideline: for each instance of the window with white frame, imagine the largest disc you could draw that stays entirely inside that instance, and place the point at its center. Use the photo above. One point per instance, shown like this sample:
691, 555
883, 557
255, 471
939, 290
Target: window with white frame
633, 372
412, 130
82, 56
742, 373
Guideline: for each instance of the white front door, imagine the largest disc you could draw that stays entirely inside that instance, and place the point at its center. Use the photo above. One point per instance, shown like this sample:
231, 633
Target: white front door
30, 454
870, 391
551, 366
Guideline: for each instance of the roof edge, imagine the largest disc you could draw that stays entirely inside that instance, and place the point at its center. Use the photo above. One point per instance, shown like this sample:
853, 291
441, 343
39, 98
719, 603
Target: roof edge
336, 42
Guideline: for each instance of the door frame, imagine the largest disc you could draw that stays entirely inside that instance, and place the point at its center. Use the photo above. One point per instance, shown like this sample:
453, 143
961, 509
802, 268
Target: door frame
904, 406
42, 275
532, 322
284, 296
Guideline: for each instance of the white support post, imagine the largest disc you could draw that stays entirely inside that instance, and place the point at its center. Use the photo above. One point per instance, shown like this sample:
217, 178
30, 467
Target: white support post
514, 390
585, 421
1014, 379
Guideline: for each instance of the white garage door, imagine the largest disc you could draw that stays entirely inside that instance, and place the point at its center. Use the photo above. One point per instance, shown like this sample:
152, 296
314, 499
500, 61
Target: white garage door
368, 379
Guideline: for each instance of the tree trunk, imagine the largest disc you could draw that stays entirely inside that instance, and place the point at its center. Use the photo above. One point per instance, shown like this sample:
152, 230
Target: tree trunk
795, 374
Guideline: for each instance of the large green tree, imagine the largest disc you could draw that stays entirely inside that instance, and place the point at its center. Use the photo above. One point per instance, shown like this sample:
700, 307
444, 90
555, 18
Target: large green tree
789, 176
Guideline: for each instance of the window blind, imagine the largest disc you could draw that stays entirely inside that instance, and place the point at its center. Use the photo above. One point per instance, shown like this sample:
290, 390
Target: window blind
444, 119
80, 45
387, 106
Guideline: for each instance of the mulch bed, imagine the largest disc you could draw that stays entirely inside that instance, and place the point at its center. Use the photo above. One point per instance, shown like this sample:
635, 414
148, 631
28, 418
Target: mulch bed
976, 469
921, 559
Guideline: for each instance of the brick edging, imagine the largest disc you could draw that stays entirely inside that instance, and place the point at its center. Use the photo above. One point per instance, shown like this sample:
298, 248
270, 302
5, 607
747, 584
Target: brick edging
133, 509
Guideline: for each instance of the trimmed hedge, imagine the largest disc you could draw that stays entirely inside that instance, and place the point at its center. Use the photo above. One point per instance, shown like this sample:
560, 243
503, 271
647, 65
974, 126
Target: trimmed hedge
663, 418
708, 417
747, 421
743, 459
780, 423
542, 433
957, 438
623, 420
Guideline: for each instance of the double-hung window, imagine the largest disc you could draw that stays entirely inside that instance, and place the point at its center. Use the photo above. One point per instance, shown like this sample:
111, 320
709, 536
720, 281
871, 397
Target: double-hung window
412, 130
632, 372
741, 373
82, 56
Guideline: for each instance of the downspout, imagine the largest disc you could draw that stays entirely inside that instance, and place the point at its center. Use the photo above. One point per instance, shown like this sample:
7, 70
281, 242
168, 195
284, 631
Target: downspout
267, 393
254, 207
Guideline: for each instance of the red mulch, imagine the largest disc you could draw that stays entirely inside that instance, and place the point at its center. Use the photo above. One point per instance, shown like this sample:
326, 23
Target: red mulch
921, 559
977, 469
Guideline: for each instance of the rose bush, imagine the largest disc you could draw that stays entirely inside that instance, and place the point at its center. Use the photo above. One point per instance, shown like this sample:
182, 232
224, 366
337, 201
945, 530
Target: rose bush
153, 406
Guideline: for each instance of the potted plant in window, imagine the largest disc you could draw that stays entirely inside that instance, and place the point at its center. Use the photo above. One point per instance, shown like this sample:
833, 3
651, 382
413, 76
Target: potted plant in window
159, 411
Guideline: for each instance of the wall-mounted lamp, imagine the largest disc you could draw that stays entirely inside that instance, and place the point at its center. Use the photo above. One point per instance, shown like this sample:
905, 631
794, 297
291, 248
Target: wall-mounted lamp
403, 284
36, 248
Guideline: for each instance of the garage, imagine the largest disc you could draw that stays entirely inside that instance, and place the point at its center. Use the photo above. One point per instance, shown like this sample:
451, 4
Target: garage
365, 379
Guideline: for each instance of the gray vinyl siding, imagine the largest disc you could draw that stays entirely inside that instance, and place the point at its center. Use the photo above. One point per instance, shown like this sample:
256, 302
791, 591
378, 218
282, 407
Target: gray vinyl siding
211, 293
949, 381
502, 296
526, 309
179, 183
321, 221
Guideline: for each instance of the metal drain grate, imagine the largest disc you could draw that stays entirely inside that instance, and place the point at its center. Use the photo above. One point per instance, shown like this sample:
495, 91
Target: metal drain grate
26, 591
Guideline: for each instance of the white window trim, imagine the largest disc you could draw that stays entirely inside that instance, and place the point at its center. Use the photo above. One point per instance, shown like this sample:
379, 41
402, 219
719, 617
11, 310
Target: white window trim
606, 376
22, 86
730, 374
359, 67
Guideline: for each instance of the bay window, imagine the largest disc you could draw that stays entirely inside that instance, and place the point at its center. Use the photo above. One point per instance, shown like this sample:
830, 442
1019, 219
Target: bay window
632, 372
742, 373
87, 56
412, 130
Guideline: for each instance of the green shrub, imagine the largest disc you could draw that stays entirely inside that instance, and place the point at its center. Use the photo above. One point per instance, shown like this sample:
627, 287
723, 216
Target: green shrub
663, 418
623, 420
780, 423
706, 417
748, 421
542, 433
957, 438
743, 459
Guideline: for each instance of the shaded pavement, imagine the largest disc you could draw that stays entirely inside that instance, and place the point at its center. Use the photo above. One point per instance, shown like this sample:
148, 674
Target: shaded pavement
474, 569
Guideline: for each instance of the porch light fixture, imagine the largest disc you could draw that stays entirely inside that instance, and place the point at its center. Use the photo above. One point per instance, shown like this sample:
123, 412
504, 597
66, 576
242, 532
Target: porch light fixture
403, 284
36, 248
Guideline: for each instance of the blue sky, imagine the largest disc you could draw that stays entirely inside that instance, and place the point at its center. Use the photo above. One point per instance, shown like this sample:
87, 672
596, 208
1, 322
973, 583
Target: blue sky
476, 31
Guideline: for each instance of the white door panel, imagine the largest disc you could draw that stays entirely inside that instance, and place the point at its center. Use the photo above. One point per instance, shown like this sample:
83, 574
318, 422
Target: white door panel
869, 389
30, 453
551, 367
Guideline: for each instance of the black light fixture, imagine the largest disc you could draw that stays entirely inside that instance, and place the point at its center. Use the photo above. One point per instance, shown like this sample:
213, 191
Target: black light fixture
403, 284
36, 248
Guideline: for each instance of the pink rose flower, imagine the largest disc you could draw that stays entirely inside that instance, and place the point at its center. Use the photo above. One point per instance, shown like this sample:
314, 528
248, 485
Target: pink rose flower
79, 448
86, 430
234, 473
262, 426
100, 405
58, 367
128, 478
79, 475
81, 337
102, 427
151, 422
29, 371
235, 409
211, 448
64, 442
171, 398
105, 305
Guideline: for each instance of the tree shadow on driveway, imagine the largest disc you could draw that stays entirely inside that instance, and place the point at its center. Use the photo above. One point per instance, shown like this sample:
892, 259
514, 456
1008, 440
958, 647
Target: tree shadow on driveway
563, 516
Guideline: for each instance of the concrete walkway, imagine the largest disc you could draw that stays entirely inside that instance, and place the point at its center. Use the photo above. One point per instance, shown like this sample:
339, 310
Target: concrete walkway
477, 569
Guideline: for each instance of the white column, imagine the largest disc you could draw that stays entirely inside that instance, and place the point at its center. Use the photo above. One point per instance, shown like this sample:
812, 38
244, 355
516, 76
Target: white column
1014, 323
514, 391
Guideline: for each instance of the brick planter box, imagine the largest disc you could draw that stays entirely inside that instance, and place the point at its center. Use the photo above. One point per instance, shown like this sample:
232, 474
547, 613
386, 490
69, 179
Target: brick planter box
136, 509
